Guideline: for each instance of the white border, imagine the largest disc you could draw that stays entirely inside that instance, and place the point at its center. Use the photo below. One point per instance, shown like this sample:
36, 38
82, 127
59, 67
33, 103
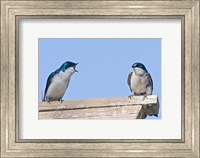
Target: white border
169, 127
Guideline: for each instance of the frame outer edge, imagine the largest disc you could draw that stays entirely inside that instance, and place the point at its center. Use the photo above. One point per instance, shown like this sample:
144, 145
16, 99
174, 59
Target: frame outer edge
4, 83
196, 73
5, 127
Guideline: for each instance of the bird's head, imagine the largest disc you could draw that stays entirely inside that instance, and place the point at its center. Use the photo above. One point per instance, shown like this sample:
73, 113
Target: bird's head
67, 65
139, 68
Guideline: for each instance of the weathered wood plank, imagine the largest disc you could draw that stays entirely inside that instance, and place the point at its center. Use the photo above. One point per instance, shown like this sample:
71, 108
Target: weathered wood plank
125, 112
101, 108
100, 102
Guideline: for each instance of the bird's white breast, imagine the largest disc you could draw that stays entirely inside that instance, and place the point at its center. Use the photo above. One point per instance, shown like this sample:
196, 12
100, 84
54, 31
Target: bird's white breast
59, 84
138, 83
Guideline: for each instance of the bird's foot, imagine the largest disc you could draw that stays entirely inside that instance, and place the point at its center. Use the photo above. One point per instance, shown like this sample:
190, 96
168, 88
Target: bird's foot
130, 96
145, 97
61, 100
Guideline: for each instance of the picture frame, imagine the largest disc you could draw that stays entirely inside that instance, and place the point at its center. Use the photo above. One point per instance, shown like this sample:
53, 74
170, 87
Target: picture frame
187, 11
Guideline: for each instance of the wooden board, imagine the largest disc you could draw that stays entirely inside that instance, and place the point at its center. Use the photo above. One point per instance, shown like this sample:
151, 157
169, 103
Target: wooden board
103, 108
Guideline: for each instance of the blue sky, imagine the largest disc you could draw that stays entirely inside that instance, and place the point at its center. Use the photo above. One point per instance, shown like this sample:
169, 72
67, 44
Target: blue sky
104, 64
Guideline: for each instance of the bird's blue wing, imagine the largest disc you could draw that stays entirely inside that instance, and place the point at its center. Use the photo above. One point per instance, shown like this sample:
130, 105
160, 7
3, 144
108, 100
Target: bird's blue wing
150, 81
129, 80
49, 80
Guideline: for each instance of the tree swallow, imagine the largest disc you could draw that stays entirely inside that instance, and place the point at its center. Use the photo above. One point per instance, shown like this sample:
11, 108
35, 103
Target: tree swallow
140, 81
58, 82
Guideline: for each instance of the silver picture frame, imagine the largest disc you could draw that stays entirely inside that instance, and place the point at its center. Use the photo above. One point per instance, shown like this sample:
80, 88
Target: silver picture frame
13, 11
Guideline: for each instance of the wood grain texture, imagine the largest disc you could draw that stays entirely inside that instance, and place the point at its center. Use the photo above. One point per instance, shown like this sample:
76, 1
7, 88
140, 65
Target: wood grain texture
105, 108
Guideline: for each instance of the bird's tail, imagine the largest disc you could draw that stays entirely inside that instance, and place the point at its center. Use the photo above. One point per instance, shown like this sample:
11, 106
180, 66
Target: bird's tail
152, 110
42, 97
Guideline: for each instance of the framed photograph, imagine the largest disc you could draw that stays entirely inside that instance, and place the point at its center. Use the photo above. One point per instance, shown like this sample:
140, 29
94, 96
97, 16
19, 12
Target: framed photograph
100, 78
103, 68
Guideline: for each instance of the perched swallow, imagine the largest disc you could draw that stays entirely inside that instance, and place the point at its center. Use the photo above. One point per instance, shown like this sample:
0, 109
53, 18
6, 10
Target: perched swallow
140, 81
58, 82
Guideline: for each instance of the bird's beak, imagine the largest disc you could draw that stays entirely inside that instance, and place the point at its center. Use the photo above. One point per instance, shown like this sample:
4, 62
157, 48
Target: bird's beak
75, 67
